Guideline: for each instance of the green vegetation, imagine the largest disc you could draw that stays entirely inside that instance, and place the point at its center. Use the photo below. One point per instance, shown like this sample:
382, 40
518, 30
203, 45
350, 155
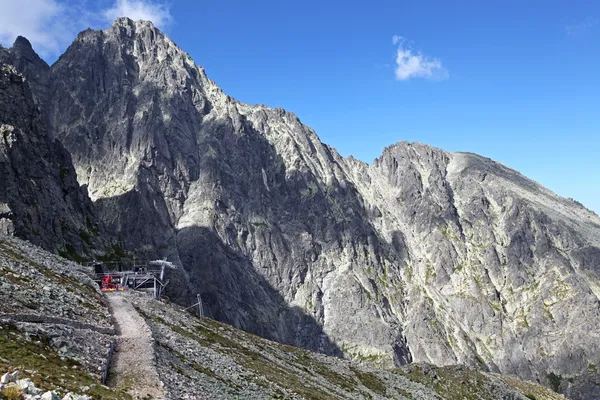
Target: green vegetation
286, 372
63, 171
116, 252
371, 381
460, 383
12, 253
12, 393
70, 253
92, 228
409, 272
496, 306
522, 320
555, 381
350, 352
547, 313
563, 290
452, 383
85, 237
280, 368
447, 232
529, 389
430, 273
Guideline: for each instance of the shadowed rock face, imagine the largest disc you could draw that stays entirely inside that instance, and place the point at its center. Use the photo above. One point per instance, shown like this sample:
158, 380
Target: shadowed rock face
422, 256
35, 70
40, 198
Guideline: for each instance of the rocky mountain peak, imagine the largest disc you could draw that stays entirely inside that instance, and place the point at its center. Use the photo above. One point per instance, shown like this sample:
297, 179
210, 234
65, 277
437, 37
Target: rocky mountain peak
136, 24
22, 49
447, 258
22, 56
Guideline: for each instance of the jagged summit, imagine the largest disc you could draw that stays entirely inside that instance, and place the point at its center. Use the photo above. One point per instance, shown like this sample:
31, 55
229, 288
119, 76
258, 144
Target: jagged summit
23, 46
126, 21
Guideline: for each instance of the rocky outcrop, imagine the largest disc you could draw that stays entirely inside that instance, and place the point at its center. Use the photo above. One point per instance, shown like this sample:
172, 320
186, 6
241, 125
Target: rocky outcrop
423, 256
35, 70
11, 387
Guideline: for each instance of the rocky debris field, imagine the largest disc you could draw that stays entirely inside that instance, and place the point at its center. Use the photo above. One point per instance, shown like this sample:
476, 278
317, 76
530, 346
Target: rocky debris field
55, 325
199, 358
11, 388
34, 282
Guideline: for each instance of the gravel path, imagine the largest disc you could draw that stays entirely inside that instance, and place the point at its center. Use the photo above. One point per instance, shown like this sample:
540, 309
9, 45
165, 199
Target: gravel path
133, 366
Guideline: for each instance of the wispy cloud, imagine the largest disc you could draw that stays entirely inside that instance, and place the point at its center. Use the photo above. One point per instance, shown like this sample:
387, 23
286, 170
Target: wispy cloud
157, 12
47, 24
51, 25
583, 26
414, 64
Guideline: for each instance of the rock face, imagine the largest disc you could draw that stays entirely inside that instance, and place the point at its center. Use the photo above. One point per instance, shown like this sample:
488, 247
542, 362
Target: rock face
422, 256
40, 199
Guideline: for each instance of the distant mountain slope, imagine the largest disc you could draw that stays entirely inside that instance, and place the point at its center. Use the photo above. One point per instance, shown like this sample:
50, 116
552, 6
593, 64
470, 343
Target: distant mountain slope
423, 256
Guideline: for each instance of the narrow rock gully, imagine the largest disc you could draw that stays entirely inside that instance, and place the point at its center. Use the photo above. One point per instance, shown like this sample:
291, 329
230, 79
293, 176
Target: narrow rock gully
133, 368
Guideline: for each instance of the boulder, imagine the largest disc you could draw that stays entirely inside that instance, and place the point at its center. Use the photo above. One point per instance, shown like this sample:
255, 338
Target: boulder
50, 396
29, 387
73, 396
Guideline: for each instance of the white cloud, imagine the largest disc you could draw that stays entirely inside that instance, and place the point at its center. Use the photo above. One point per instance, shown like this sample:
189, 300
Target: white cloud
156, 12
583, 26
47, 24
411, 64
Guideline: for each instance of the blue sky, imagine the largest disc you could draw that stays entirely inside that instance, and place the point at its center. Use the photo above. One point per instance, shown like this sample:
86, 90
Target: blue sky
515, 81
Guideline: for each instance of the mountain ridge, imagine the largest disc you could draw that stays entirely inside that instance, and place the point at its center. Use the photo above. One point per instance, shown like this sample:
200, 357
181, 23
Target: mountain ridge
446, 257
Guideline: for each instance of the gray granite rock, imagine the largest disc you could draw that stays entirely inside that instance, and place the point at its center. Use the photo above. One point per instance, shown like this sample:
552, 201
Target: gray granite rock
50, 395
35, 70
423, 255
40, 199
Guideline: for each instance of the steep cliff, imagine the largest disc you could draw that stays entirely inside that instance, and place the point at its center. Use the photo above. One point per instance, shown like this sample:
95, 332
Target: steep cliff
422, 256
40, 199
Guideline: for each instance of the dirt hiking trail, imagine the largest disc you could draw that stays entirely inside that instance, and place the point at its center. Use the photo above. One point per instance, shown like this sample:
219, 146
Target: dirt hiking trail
133, 365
